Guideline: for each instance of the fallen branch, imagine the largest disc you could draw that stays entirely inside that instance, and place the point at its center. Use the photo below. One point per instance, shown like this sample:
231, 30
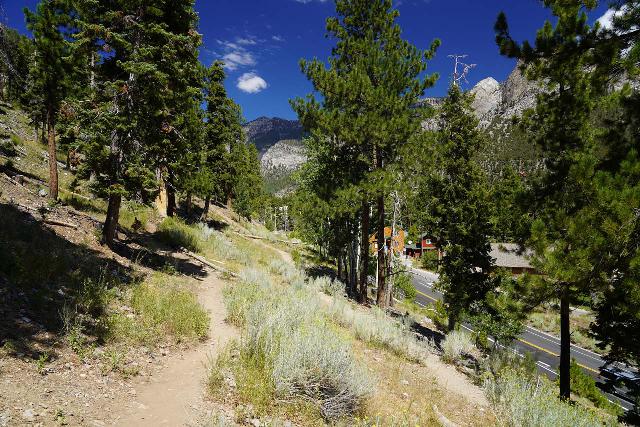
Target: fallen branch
207, 262
251, 236
11, 180
76, 194
60, 223
442, 420
16, 183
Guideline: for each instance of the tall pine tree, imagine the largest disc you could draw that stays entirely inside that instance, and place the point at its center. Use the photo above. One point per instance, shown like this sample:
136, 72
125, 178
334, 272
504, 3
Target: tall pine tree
561, 125
50, 74
369, 107
146, 77
457, 201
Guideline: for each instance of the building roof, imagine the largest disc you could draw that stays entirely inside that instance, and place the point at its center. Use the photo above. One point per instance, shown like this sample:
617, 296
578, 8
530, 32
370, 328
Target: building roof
509, 255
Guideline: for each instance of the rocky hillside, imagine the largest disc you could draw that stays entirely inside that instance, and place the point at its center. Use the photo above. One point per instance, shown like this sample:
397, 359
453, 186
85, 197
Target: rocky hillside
279, 162
279, 143
264, 132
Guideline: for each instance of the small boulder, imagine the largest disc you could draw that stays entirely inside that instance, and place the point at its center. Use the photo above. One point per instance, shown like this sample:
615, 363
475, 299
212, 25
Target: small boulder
28, 415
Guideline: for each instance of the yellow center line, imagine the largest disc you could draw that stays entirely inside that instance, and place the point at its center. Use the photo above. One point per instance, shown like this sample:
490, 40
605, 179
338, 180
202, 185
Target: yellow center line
555, 354
537, 347
425, 295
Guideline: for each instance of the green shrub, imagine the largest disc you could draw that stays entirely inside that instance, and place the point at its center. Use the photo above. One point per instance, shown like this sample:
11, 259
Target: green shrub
296, 256
429, 260
522, 403
9, 147
403, 287
135, 211
585, 386
176, 233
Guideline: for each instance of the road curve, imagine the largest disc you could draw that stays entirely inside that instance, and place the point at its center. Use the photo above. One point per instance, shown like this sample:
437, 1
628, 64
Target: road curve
544, 348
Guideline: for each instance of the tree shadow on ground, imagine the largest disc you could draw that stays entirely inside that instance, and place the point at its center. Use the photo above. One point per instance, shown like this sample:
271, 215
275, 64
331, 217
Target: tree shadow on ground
142, 249
47, 283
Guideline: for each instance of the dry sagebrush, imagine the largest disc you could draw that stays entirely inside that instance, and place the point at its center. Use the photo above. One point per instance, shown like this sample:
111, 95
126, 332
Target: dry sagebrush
305, 357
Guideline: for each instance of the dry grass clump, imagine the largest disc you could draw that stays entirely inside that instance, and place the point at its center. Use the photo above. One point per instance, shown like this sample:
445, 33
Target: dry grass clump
288, 342
218, 246
456, 345
377, 328
290, 275
175, 232
162, 309
327, 285
520, 402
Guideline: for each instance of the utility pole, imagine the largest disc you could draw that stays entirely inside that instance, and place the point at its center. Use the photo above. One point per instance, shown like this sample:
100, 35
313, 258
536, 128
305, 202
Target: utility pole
460, 75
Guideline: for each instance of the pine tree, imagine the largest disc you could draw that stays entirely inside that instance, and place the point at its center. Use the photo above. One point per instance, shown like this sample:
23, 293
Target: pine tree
16, 53
560, 124
457, 202
247, 181
369, 107
223, 133
50, 74
147, 76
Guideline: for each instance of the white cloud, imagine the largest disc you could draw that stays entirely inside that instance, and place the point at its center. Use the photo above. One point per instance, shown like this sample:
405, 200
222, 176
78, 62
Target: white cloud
236, 55
235, 59
251, 83
246, 41
606, 20
277, 38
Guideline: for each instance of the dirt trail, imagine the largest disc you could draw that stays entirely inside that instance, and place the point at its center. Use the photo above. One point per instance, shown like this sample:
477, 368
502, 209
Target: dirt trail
174, 397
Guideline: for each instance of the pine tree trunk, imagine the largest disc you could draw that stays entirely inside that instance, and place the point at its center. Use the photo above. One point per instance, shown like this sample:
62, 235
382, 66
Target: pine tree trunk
565, 344
205, 211
53, 164
43, 131
353, 266
111, 222
339, 265
382, 263
171, 200
452, 320
188, 203
364, 251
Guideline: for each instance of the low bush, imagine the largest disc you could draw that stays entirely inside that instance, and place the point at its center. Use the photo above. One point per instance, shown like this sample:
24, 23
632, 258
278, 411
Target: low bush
8, 147
176, 233
455, 345
429, 260
216, 245
522, 403
136, 215
327, 285
403, 287
585, 386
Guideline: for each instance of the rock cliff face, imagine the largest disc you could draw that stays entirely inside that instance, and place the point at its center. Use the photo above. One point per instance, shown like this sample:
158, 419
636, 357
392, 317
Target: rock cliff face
504, 101
286, 155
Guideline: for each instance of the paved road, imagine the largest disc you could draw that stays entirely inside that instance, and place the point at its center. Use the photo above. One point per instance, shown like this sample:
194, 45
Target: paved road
545, 348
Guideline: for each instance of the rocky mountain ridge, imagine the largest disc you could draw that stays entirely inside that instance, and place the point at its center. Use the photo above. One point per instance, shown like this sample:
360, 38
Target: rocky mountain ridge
264, 132
281, 151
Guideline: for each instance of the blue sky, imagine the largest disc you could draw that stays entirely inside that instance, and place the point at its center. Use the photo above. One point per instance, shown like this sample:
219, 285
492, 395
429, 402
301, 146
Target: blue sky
262, 41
